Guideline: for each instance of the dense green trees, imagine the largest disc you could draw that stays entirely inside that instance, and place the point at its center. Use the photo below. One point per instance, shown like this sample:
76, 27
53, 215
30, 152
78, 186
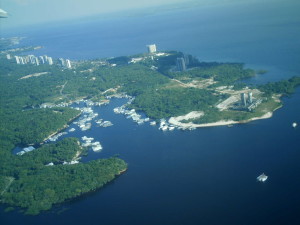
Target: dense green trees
223, 73
169, 102
37, 187
285, 87
27, 182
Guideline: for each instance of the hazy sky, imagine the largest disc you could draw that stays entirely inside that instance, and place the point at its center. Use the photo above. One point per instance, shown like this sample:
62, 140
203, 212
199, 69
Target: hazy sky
26, 12
37, 11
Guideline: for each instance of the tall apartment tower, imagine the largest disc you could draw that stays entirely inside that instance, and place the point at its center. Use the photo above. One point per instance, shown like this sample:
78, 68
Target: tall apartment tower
250, 98
243, 99
62, 62
151, 48
42, 60
17, 59
50, 61
186, 59
180, 63
68, 64
36, 59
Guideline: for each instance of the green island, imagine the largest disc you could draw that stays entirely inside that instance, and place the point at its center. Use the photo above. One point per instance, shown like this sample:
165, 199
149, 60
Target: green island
202, 94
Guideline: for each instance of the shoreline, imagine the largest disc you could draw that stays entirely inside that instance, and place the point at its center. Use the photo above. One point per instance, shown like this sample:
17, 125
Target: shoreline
59, 130
177, 122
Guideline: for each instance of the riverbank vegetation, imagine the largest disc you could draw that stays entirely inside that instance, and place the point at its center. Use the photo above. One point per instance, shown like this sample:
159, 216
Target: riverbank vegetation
160, 91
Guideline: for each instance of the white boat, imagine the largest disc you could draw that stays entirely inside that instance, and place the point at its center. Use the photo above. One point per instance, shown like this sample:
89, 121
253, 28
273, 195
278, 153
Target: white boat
152, 123
97, 148
171, 128
164, 128
294, 124
262, 178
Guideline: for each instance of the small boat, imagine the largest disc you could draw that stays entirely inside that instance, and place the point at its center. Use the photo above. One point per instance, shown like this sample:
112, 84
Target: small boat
152, 123
262, 178
294, 124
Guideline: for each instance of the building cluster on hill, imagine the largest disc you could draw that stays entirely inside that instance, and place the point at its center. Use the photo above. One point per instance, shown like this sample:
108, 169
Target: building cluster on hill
34, 60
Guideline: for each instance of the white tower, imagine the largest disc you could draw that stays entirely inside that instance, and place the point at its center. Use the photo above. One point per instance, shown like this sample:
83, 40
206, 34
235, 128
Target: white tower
151, 48
50, 61
68, 64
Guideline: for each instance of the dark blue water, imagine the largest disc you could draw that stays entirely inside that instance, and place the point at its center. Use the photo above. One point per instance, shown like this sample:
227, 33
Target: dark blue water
206, 176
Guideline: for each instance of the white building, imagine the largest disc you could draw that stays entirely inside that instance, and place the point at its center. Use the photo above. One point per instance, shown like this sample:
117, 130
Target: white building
42, 59
50, 61
22, 61
250, 98
36, 61
62, 62
17, 59
46, 58
31, 59
68, 64
151, 48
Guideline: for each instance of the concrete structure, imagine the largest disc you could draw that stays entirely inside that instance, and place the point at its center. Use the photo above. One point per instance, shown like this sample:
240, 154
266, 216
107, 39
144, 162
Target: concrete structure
22, 60
151, 48
68, 64
187, 59
17, 59
62, 62
243, 99
46, 58
31, 59
36, 61
42, 60
50, 61
180, 63
250, 98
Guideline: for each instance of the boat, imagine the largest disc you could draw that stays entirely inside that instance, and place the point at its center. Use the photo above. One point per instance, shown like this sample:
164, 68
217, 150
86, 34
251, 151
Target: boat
294, 124
171, 128
262, 178
152, 123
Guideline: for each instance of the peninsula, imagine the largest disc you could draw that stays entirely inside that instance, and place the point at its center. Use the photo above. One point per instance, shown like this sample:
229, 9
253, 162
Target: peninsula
170, 87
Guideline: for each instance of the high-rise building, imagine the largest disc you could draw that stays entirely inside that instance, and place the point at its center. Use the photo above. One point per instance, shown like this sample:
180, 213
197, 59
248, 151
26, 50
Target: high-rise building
31, 59
243, 99
22, 60
250, 98
180, 63
186, 59
50, 61
26, 59
46, 59
36, 61
17, 59
42, 60
151, 48
68, 64
61, 62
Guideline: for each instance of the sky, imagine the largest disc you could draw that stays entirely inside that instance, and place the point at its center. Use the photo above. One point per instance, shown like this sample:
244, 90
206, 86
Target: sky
38, 11
28, 12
